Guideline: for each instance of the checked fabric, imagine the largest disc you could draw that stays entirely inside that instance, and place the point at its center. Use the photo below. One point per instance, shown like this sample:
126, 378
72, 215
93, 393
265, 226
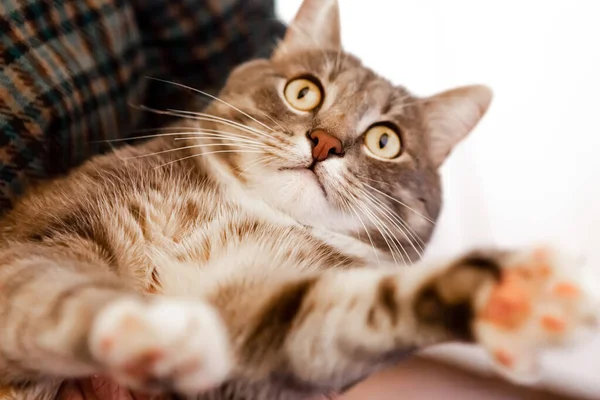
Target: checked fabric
69, 70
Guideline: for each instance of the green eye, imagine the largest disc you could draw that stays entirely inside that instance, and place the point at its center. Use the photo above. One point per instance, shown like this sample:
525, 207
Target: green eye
383, 142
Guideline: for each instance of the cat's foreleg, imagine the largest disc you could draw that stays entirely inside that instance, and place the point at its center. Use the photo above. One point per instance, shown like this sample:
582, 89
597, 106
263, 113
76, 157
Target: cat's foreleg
48, 301
326, 331
64, 316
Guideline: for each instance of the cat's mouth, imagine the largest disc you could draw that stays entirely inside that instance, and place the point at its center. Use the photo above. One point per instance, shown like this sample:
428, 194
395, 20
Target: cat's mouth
309, 172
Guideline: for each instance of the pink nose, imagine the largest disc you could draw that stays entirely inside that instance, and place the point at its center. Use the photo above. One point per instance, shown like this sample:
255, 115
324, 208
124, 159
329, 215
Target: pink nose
325, 144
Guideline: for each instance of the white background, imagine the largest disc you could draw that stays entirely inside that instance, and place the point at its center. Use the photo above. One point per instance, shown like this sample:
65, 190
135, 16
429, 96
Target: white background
530, 172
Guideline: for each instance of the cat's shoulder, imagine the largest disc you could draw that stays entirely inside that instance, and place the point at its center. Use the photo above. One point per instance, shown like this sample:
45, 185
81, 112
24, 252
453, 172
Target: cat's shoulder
126, 177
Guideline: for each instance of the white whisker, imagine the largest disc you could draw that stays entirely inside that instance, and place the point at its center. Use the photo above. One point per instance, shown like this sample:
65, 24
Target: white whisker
192, 147
214, 133
272, 120
390, 217
399, 202
188, 134
200, 117
205, 154
386, 206
347, 207
383, 230
375, 221
261, 161
393, 214
401, 225
212, 97
146, 137
365, 228
215, 118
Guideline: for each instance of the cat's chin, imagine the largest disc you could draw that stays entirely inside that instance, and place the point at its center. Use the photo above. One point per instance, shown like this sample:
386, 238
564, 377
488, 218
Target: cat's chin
300, 193
307, 173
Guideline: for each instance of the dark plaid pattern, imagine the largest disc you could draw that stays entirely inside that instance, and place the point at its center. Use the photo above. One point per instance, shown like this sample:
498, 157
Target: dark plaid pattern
69, 69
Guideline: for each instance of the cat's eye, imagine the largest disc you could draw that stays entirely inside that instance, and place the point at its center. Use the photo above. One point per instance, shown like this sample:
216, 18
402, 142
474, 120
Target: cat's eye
303, 94
383, 141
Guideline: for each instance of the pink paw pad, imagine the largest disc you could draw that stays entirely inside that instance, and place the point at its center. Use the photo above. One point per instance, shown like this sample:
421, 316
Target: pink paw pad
532, 307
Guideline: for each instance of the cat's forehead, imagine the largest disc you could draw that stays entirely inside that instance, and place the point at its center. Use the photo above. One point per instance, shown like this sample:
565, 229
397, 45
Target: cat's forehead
351, 89
335, 69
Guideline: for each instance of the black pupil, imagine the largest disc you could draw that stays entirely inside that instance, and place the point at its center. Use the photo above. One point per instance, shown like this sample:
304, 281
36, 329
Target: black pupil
383, 140
303, 92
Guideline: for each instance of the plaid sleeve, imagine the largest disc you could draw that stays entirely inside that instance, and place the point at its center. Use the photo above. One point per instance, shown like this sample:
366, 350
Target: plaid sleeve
70, 67
197, 43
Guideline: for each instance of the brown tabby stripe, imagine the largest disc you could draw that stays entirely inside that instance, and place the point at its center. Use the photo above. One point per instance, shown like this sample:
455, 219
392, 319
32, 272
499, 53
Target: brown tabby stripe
275, 319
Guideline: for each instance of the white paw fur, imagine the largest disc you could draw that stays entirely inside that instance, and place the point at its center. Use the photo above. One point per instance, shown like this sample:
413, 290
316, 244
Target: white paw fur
162, 343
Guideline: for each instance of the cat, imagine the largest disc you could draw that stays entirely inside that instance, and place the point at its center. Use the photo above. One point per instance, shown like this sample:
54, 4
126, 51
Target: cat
257, 249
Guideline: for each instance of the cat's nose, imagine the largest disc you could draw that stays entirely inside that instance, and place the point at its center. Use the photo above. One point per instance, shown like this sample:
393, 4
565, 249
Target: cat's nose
325, 145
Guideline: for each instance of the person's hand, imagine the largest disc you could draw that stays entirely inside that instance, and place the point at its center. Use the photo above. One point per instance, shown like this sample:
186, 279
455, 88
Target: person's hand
99, 388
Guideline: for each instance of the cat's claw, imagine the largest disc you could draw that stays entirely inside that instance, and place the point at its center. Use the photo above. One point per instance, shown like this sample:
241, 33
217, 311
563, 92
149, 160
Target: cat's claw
536, 304
163, 344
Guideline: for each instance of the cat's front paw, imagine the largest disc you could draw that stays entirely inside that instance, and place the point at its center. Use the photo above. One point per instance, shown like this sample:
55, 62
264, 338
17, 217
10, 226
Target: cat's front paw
537, 302
162, 344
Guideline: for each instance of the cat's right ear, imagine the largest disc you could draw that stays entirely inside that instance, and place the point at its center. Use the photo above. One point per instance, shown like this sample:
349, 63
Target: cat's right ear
316, 26
452, 115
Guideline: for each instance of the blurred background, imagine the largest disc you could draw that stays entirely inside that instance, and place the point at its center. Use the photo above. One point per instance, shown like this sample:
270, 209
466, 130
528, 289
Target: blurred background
530, 172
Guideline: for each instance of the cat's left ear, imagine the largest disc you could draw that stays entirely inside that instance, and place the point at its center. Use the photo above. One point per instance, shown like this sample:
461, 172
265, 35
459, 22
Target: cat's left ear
316, 26
450, 116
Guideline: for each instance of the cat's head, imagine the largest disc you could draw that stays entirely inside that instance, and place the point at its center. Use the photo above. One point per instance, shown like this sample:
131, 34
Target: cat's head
329, 142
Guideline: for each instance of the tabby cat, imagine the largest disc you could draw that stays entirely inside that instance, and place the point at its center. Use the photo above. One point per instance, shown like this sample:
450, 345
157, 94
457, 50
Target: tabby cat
252, 250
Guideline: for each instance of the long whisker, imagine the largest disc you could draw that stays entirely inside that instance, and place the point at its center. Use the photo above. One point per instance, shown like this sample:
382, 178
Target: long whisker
219, 134
399, 202
388, 208
364, 226
272, 120
383, 230
199, 117
261, 161
189, 134
399, 223
205, 154
393, 215
374, 180
411, 232
386, 230
414, 240
268, 116
145, 137
397, 217
388, 216
397, 243
221, 119
192, 147
375, 221
212, 97
347, 207
175, 128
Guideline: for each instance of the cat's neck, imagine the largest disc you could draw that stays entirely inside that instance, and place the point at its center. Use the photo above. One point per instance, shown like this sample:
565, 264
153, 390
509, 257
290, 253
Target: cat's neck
233, 189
